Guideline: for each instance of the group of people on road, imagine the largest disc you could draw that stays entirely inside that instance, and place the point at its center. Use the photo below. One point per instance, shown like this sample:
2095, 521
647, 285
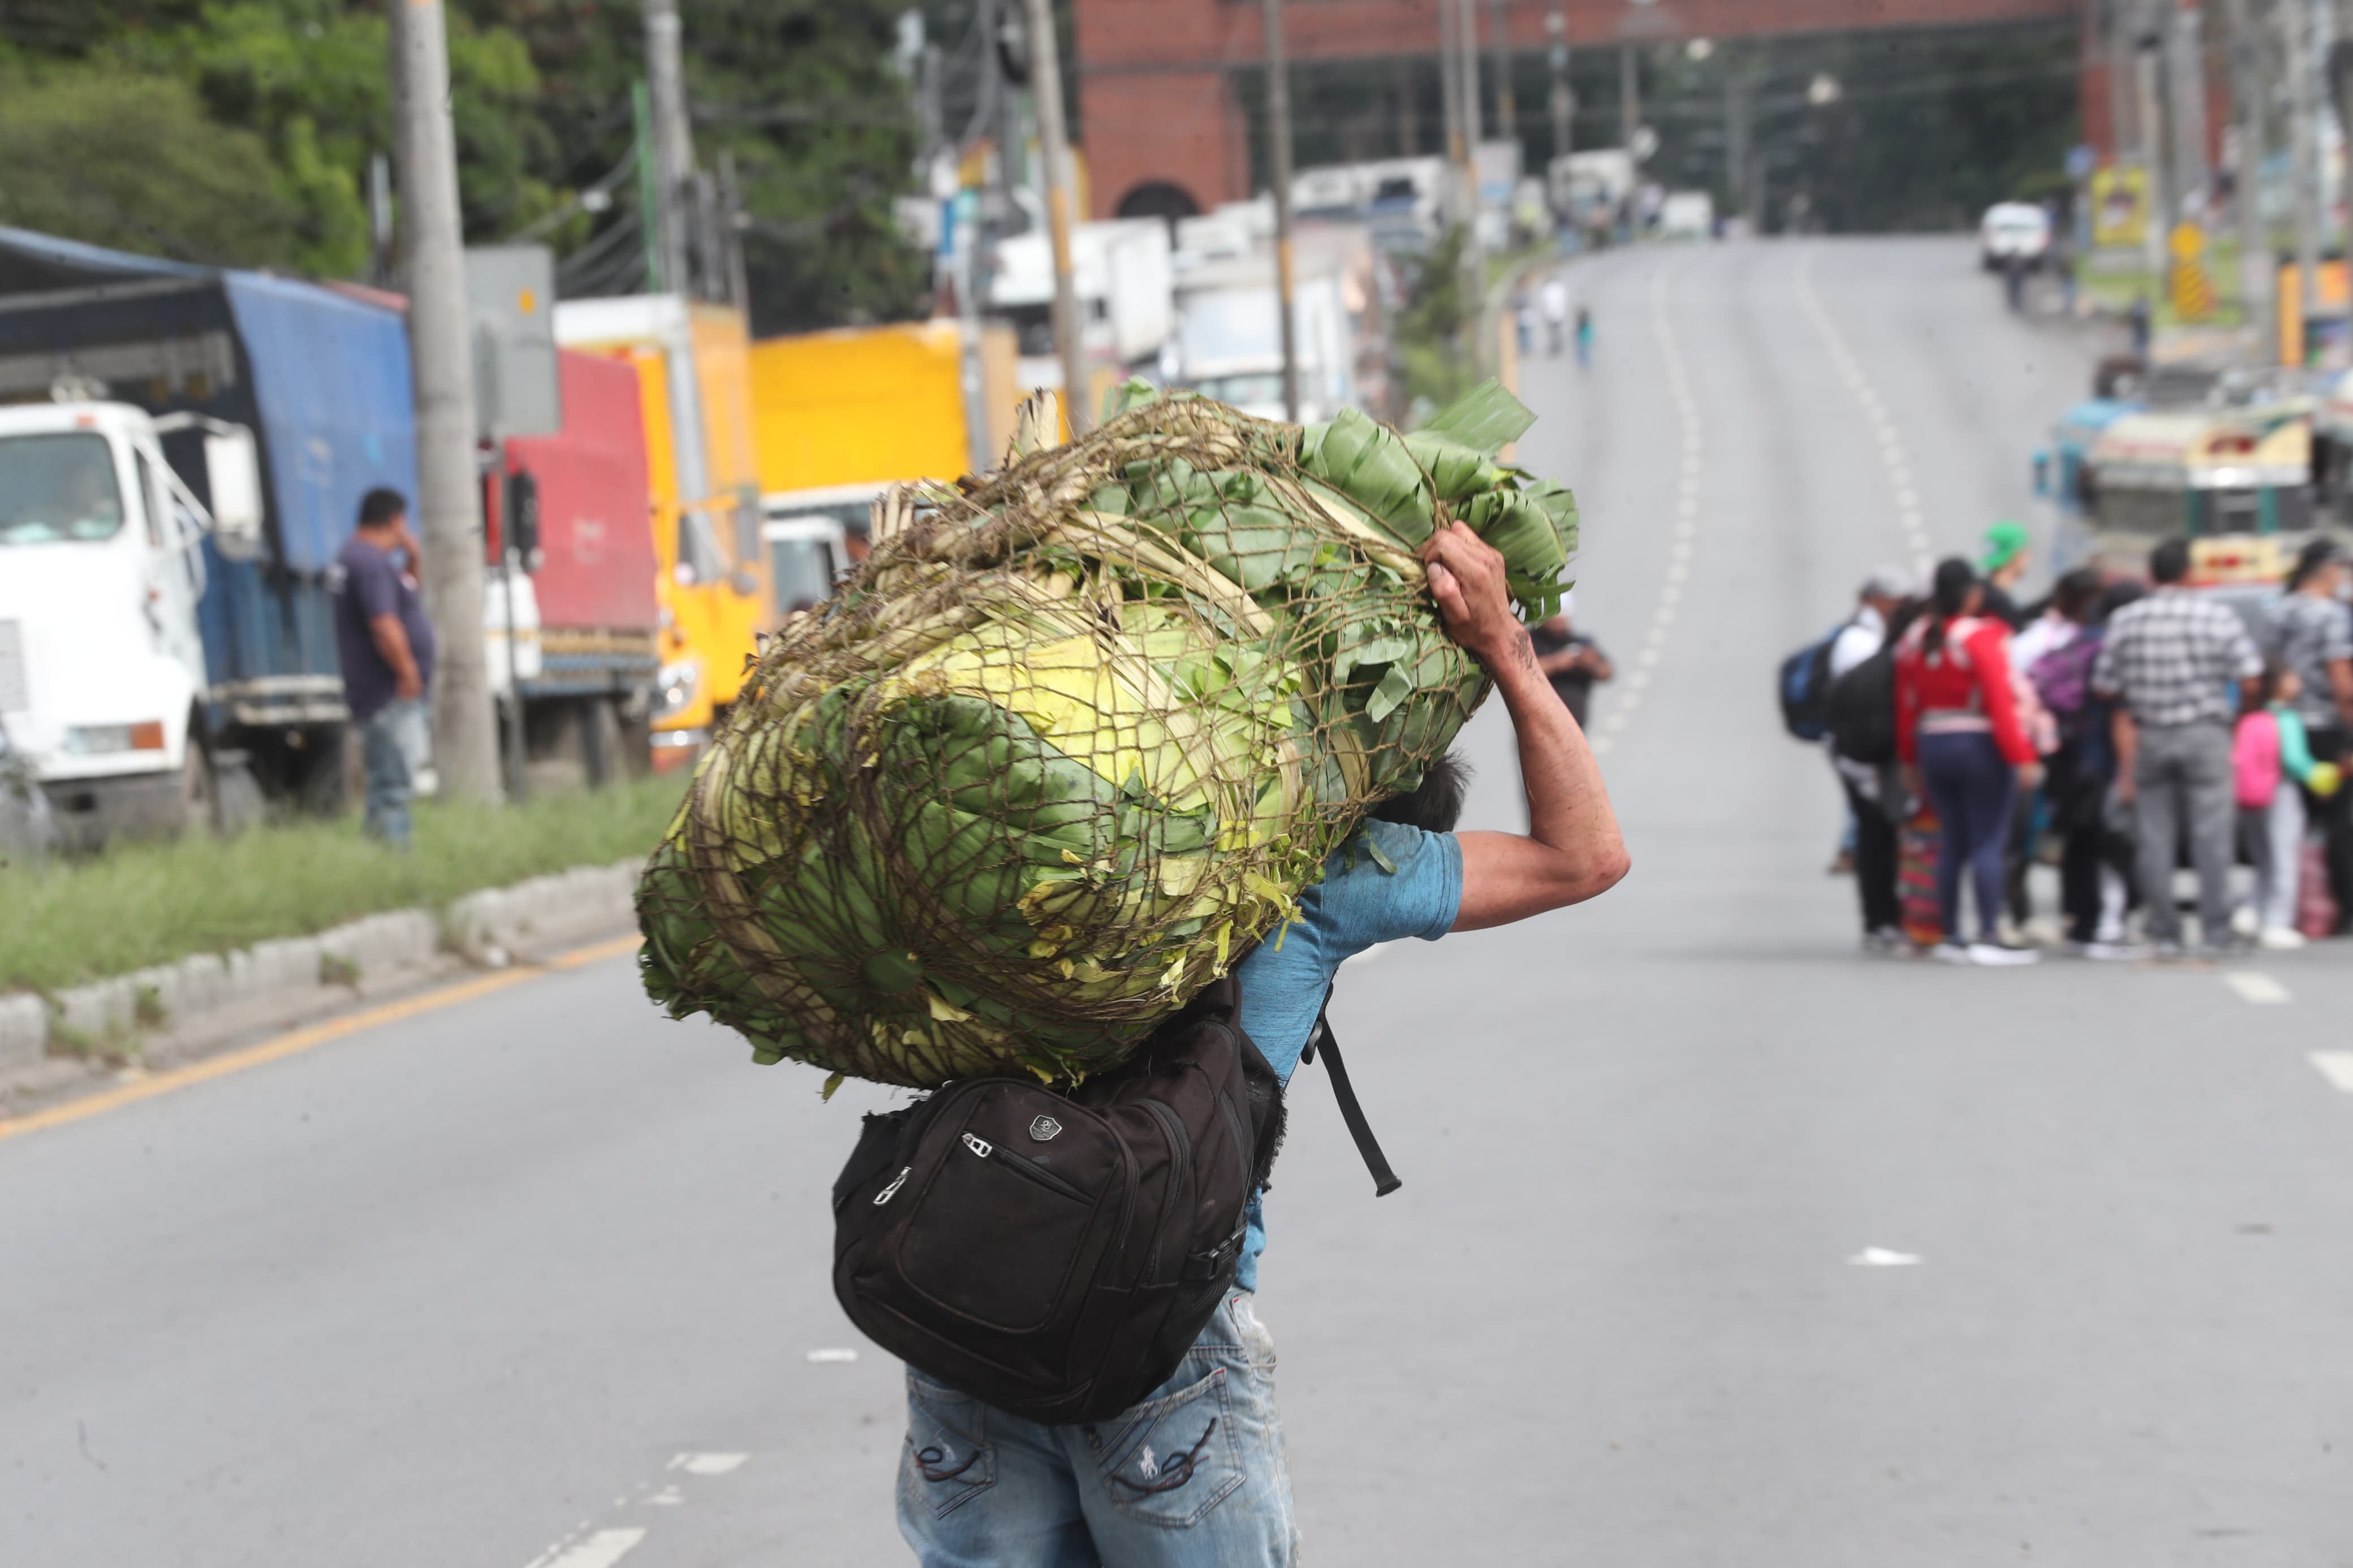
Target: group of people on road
1560, 329
2130, 724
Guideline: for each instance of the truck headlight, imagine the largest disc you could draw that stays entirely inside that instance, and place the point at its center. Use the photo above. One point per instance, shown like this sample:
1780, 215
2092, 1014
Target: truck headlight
100, 740
675, 687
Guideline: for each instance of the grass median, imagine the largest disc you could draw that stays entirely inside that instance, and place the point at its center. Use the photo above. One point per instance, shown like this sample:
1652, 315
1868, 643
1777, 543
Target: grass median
78, 919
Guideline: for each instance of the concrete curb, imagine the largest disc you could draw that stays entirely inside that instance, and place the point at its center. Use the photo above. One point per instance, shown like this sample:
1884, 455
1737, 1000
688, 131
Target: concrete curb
185, 1003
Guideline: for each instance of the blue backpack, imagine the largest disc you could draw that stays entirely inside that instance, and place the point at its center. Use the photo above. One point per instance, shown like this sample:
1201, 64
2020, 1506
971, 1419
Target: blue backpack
1805, 687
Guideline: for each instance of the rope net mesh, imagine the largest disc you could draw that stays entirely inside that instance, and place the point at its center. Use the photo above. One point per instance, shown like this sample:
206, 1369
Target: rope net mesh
1077, 734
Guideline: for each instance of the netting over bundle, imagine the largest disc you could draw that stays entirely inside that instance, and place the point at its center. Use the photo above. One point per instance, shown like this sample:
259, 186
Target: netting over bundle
1076, 735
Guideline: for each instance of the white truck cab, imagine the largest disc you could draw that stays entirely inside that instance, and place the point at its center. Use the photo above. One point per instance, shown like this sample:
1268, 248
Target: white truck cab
808, 535
101, 661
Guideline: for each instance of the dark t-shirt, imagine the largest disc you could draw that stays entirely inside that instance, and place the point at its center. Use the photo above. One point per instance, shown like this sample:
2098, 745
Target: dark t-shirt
2002, 608
366, 584
1574, 686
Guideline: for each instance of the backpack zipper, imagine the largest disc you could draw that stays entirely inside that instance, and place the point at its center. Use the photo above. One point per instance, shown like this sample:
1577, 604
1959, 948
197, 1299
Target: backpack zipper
1021, 1165
1183, 1144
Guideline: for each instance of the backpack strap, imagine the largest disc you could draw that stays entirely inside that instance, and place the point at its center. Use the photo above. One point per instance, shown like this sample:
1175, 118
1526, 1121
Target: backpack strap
1385, 1181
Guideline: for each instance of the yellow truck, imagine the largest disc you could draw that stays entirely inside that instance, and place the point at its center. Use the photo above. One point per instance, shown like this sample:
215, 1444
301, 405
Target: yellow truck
694, 375
838, 415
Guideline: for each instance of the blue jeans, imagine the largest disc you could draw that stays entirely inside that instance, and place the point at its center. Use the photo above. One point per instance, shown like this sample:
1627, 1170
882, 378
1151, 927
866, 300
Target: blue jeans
1194, 1477
392, 749
1972, 789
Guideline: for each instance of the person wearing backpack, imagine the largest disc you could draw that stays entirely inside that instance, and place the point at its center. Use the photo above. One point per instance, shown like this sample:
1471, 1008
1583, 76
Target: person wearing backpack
1194, 1475
1873, 798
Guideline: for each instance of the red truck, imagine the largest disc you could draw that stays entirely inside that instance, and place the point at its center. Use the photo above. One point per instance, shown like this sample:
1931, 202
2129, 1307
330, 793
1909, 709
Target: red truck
585, 611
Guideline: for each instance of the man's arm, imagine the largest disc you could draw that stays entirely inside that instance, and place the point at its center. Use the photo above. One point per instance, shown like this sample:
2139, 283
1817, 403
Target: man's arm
1572, 849
2340, 689
2124, 735
391, 640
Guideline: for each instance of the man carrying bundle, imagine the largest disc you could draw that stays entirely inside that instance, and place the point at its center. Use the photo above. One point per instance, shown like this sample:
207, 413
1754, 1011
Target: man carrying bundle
1195, 1473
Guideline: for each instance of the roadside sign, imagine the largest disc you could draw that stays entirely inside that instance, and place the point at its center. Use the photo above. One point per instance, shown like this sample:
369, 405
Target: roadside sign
2119, 205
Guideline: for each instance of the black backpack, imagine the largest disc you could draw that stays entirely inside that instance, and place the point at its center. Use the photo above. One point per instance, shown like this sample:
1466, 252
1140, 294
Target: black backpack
1804, 685
1862, 710
1055, 1254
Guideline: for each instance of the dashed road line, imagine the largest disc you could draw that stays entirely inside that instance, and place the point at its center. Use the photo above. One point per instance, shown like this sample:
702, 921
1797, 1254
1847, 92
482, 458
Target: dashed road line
1628, 701
2253, 986
601, 1550
1892, 455
2337, 1067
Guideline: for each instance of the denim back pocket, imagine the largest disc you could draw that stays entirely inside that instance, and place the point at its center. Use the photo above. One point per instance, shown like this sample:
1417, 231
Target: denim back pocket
949, 1461
1170, 1460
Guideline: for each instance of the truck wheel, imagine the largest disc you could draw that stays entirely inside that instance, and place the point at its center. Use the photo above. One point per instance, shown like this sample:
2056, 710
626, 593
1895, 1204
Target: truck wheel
238, 799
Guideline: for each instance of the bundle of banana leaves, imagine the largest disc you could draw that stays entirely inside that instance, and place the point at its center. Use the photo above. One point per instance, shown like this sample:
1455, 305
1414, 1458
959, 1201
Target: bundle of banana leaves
1077, 734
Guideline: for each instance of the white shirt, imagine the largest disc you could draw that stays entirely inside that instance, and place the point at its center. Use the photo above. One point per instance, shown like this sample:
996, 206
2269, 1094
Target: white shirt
2047, 633
1861, 637
1555, 299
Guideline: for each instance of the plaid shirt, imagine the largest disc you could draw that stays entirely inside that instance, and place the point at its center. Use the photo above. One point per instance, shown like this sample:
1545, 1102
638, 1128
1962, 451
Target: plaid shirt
2172, 656
2314, 633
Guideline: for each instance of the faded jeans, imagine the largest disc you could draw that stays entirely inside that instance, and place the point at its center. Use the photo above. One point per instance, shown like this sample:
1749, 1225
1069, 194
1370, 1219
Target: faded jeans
2273, 837
1194, 1477
392, 749
2182, 782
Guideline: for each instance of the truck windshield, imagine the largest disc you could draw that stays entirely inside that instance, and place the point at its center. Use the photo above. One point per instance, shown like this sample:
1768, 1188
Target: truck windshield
56, 488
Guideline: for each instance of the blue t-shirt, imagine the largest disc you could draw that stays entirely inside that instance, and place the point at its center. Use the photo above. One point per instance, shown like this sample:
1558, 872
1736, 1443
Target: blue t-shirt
1387, 882
366, 585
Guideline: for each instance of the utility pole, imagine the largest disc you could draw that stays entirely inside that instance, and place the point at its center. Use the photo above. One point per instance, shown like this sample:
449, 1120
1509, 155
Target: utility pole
2304, 127
673, 144
2146, 63
1735, 136
1278, 132
441, 347
2124, 123
2193, 180
1507, 108
1449, 98
1046, 89
1630, 95
1474, 121
1563, 108
2249, 102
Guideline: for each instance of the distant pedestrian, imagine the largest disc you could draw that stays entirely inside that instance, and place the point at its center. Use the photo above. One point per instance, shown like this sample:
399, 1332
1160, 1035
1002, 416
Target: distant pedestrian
1584, 338
386, 646
2014, 281
1554, 298
1957, 731
1875, 796
2137, 320
1524, 320
1572, 661
2096, 857
2172, 659
2272, 765
2315, 630
2009, 555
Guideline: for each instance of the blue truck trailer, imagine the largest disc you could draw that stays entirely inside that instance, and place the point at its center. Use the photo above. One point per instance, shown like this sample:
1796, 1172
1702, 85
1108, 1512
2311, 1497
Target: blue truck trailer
183, 451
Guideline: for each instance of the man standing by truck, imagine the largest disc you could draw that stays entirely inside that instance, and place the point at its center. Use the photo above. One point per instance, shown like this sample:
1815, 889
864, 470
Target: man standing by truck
387, 646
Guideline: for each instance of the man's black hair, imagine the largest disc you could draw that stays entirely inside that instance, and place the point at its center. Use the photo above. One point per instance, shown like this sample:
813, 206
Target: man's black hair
382, 505
2169, 562
1435, 805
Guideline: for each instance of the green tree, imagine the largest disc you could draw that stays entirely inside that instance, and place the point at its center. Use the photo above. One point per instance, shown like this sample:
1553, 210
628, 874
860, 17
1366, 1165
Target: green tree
132, 160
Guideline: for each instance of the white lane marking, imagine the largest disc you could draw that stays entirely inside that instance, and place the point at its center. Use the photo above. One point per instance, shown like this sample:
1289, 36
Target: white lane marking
1884, 1257
2257, 987
1908, 517
707, 1464
2337, 1067
668, 1496
832, 1354
601, 1550
1628, 699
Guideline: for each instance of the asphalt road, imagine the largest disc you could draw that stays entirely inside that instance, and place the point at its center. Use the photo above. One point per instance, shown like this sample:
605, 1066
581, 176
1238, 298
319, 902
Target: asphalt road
538, 1278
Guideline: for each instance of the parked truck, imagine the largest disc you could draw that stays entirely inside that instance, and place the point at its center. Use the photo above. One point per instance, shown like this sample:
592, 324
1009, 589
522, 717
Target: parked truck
692, 362
841, 413
183, 452
1230, 328
570, 534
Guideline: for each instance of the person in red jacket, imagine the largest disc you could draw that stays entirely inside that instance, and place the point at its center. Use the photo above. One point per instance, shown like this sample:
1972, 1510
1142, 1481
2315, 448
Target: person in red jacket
1959, 737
